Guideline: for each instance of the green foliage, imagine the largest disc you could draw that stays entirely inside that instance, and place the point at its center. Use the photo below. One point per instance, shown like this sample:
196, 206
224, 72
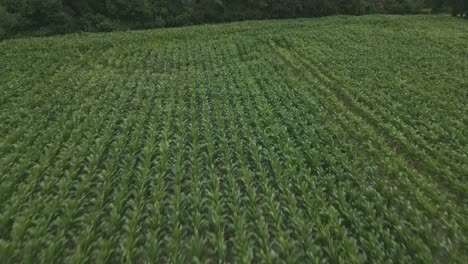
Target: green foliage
63, 16
7, 22
296, 141
460, 8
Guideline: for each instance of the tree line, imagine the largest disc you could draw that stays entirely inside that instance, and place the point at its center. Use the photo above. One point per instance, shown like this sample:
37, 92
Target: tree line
46, 17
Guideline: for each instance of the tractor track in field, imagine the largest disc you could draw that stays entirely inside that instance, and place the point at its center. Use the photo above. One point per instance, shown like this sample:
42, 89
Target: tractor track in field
292, 59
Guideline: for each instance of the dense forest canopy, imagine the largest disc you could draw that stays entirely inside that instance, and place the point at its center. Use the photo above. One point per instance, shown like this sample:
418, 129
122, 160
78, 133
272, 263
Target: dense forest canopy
45, 17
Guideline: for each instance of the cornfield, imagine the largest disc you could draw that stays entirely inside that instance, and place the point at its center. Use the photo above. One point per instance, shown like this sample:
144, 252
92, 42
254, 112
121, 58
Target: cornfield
339, 140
